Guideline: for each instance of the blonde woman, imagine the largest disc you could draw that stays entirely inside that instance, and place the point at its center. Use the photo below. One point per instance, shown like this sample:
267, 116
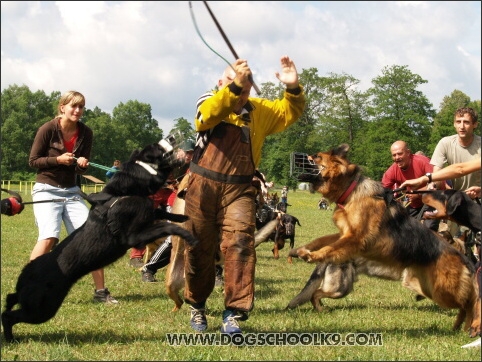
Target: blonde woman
61, 151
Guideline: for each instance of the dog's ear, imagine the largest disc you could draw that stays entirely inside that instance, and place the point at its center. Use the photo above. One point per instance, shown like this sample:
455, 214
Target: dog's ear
134, 155
341, 150
455, 201
352, 169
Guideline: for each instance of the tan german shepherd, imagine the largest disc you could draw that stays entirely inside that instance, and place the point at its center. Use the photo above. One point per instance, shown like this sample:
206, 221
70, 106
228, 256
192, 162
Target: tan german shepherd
374, 226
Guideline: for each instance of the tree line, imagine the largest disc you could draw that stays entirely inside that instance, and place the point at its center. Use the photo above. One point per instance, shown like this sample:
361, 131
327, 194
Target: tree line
337, 111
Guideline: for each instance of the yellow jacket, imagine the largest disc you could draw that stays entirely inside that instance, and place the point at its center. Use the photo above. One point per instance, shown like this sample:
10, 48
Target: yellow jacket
262, 116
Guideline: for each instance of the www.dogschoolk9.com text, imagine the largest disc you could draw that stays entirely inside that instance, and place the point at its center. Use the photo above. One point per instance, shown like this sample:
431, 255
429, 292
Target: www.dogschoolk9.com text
275, 339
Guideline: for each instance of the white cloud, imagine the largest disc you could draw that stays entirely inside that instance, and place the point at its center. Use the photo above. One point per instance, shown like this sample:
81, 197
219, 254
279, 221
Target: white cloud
150, 51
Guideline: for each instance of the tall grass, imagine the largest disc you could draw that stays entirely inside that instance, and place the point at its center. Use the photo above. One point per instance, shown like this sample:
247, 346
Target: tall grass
136, 328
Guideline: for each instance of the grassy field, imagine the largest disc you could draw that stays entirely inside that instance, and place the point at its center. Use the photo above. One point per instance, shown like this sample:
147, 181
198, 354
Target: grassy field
136, 329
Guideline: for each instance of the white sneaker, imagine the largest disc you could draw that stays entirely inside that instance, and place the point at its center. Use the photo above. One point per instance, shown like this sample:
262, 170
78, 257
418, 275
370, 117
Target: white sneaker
475, 343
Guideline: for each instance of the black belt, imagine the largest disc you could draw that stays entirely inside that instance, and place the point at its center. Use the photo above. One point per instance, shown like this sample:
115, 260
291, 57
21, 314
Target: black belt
216, 176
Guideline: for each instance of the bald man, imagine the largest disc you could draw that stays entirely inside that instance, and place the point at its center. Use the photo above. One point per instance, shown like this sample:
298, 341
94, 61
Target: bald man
407, 166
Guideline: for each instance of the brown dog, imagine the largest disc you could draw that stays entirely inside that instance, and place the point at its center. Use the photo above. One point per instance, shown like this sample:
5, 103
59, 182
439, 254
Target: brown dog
374, 226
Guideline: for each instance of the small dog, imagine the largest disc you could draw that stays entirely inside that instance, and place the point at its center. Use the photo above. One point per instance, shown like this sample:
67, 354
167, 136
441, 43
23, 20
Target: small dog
375, 226
174, 280
283, 229
122, 216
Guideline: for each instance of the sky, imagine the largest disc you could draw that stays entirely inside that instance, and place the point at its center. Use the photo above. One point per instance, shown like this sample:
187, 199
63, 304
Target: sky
167, 54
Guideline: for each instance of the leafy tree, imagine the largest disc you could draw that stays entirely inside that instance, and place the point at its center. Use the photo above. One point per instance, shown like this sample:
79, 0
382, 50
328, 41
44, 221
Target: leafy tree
336, 112
22, 112
185, 128
134, 123
343, 114
108, 144
398, 112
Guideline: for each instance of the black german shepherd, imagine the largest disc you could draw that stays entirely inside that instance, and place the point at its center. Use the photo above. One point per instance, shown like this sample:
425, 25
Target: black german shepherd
122, 216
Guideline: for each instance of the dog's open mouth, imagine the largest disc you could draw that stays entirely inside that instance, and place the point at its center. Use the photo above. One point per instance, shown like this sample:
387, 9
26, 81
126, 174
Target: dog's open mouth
430, 214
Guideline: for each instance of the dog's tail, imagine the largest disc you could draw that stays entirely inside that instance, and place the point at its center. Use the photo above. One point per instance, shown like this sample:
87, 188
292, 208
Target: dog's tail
263, 234
311, 286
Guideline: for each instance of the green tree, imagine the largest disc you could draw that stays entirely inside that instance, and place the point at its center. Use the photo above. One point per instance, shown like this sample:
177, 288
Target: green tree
184, 128
398, 111
343, 115
108, 144
134, 123
22, 113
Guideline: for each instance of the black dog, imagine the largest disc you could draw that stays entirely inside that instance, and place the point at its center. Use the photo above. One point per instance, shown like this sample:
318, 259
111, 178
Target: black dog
455, 205
283, 228
121, 217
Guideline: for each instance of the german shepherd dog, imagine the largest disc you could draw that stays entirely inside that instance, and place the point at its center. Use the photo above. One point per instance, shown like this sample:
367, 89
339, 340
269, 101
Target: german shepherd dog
336, 281
457, 206
375, 226
122, 216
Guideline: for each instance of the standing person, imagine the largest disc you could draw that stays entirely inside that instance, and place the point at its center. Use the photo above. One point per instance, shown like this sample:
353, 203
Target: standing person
461, 147
284, 194
220, 199
115, 167
407, 166
60, 151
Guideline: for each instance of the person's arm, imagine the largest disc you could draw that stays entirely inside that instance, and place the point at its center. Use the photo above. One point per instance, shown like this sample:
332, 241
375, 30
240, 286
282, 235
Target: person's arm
452, 171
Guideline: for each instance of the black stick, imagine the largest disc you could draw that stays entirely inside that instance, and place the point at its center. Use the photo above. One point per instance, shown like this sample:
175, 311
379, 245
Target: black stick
229, 44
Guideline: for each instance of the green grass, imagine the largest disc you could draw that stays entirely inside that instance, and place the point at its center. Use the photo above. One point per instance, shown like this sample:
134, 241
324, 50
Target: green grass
136, 328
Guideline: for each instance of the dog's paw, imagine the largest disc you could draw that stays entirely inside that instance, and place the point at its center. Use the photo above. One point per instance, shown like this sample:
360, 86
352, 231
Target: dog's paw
305, 254
474, 332
293, 253
179, 218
